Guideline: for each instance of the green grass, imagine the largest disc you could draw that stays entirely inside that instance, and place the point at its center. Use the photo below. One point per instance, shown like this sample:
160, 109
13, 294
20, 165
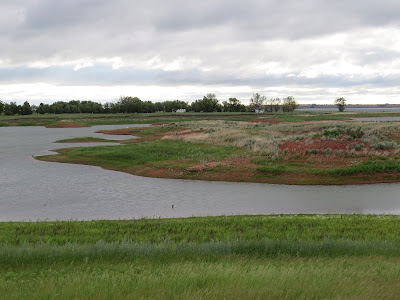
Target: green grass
372, 166
246, 257
158, 153
202, 230
225, 278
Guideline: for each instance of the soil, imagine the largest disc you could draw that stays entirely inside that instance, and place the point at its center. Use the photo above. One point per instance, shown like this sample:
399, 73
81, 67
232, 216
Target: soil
126, 131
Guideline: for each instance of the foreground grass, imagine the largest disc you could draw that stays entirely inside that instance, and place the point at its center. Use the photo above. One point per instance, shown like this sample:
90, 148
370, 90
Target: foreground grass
226, 278
246, 257
206, 229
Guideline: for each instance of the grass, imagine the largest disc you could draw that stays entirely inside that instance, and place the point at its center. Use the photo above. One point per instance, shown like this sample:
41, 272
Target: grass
206, 229
144, 158
281, 256
225, 278
328, 152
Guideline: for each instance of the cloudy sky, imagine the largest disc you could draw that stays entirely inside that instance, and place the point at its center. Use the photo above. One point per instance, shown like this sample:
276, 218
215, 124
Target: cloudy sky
314, 50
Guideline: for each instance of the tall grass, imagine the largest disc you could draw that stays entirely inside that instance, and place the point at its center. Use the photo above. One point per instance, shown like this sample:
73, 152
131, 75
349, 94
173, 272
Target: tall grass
231, 277
205, 229
282, 256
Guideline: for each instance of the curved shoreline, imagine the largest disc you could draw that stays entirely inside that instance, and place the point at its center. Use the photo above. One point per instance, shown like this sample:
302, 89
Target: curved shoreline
308, 154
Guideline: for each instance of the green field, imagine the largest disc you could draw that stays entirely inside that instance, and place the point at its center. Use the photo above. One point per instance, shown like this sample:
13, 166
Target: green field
283, 256
150, 118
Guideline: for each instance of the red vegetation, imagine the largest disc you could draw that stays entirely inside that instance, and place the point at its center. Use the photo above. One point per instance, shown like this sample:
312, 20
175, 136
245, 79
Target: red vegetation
300, 146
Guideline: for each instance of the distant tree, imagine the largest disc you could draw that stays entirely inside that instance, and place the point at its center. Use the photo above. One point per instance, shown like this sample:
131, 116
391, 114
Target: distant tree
43, 109
1, 107
14, 108
107, 107
289, 104
209, 103
129, 104
159, 106
26, 109
233, 105
172, 106
257, 102
7, 109
273, 104
277, 104
340, 103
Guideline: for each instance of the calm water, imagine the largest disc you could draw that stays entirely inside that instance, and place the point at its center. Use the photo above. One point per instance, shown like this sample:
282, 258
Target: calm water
354, 109
32, 190
378, 119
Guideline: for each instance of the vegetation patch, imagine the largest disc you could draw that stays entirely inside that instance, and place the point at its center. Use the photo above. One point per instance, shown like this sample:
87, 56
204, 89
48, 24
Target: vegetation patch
278, 256
317, 152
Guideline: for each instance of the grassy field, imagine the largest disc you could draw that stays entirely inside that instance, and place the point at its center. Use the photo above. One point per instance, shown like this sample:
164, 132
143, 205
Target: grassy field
53, 120
265, 149
250, 257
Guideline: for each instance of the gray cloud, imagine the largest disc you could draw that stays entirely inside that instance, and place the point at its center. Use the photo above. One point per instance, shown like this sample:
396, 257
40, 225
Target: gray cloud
170, 43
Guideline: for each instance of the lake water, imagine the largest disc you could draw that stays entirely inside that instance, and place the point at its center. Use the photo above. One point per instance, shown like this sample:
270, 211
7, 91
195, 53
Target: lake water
36, 190
353, 109
378, 119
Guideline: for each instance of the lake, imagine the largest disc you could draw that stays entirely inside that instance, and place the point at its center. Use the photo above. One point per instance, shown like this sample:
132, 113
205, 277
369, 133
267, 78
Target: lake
33, 190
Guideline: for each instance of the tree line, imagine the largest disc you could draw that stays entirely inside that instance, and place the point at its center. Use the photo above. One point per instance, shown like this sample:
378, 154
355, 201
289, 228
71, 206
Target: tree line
127, 104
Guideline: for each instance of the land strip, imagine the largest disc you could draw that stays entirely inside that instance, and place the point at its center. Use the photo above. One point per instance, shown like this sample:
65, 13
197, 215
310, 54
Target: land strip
308, 153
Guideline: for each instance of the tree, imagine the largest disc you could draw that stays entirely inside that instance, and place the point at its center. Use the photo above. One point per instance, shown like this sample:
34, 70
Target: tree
43, 109
14, 108
340, 103
1, 107
26, 109
257, 102
289, 104
233, 105
209, 103
273, 104
130, 104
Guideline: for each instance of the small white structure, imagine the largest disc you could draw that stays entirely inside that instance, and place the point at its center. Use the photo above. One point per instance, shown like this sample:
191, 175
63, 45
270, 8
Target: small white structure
181, 110
258, 111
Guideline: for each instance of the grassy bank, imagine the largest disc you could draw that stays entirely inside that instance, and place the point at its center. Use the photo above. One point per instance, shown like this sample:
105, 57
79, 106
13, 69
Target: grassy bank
289, 257
263, 150
206, 229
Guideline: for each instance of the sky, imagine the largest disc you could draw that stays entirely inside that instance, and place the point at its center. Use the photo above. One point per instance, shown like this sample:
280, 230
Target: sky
314, 50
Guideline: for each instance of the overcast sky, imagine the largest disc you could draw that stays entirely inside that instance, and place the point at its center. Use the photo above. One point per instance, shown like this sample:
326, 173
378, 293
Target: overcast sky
98, 50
